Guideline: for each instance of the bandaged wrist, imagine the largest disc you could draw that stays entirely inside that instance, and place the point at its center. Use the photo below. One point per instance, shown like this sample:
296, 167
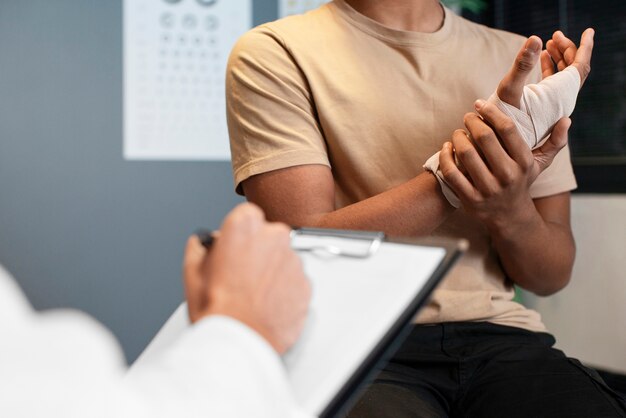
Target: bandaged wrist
542, 105
432, 165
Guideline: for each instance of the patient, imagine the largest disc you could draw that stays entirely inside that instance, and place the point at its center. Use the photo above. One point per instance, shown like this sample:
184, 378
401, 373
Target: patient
536, 108
331, 128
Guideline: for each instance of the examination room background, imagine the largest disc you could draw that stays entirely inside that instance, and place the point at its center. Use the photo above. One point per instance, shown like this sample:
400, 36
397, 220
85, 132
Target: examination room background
79, 225
82, 227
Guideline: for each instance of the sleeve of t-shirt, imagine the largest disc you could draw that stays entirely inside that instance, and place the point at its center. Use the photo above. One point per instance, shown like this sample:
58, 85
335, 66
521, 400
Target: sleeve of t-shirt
270, 109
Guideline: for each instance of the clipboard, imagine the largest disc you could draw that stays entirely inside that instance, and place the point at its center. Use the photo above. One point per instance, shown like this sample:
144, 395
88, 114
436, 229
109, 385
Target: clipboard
366, 290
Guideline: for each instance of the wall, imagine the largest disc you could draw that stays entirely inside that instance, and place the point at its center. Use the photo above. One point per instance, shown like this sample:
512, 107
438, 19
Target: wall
588, 316
79, 225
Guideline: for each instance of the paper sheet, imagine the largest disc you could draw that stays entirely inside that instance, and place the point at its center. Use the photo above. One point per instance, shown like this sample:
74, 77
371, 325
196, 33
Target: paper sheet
355, 302
175, 54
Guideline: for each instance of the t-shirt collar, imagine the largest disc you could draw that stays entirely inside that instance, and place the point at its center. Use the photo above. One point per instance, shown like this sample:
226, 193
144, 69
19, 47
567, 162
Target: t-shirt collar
396, 36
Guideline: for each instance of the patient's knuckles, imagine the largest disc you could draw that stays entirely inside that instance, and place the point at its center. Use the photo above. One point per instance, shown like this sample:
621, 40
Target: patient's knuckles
447, 172
506, 177
526, 163
450, 174
484, 136
466, 154
488, 194
508, 130
476, 198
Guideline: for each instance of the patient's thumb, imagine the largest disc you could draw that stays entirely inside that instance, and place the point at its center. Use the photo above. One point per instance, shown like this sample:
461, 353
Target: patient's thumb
512, 85
545, 154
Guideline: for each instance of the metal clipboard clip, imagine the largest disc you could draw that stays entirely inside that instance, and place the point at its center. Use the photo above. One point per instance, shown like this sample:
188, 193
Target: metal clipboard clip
375, 240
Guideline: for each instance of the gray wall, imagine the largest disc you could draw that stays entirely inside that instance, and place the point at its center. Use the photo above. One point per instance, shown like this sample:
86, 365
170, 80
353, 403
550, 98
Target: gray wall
583, 316
79, 225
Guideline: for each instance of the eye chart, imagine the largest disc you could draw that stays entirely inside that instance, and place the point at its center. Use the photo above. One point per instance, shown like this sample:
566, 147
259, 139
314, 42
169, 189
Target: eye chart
294, 7
175, 54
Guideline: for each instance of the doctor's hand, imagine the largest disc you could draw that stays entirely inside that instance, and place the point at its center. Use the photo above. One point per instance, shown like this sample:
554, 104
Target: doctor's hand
496, 167
250, 274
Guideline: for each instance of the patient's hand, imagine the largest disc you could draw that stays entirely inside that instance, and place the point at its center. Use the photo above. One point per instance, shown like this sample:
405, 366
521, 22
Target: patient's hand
535, 108
563, 52
559, 50
512, 85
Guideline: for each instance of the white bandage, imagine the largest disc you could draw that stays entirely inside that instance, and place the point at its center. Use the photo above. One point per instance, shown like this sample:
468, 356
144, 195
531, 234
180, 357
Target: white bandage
432, 165
541, 106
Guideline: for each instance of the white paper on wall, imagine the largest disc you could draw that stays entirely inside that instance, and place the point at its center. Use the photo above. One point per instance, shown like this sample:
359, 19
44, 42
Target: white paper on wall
175, 54
293, 7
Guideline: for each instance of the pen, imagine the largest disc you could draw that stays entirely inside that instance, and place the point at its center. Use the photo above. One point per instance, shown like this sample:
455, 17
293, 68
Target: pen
207, 238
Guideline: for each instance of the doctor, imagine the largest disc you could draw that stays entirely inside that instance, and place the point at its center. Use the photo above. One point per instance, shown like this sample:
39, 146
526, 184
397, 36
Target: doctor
248, 299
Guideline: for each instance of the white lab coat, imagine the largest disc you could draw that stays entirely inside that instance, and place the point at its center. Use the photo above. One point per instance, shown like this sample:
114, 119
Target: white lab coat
63, 363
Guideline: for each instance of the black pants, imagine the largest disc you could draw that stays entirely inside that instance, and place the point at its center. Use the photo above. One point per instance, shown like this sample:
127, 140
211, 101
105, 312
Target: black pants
485, 370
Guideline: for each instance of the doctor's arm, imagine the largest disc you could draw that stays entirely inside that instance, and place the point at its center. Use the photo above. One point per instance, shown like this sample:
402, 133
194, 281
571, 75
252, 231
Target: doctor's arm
248, 299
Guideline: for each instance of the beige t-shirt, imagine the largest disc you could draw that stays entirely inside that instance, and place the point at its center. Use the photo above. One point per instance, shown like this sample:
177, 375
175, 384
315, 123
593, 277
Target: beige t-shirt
334, 87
